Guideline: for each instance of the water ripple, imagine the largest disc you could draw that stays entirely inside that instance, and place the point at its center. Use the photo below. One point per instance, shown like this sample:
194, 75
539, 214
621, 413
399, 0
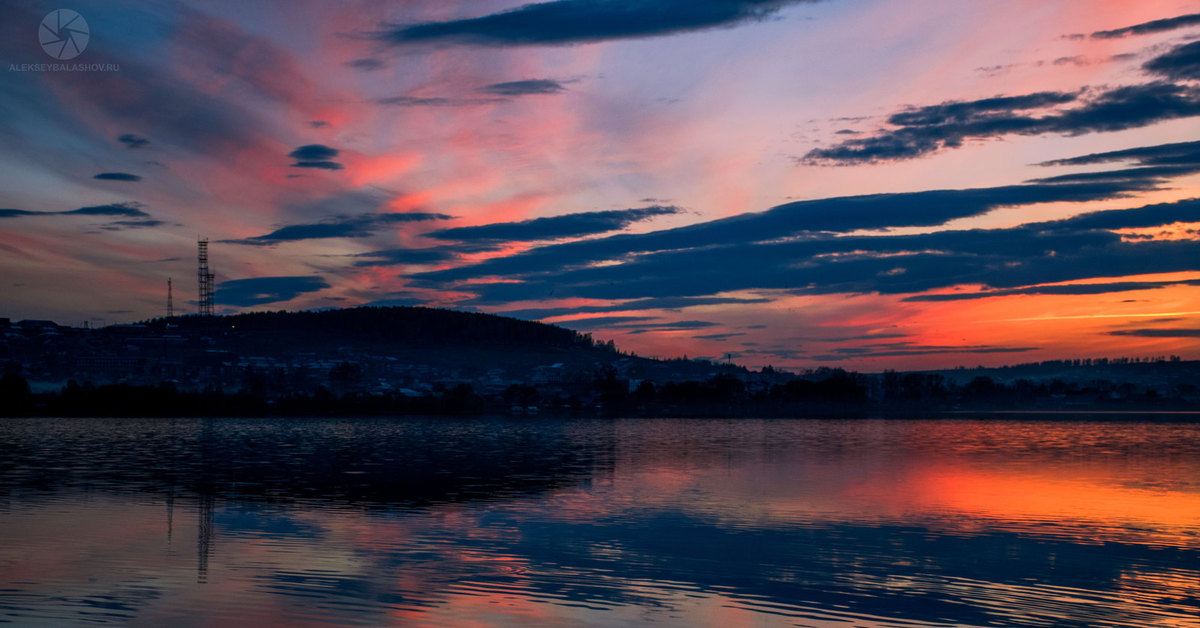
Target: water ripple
594, 522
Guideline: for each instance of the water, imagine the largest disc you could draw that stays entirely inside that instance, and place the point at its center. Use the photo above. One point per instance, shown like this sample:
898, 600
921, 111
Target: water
449, 522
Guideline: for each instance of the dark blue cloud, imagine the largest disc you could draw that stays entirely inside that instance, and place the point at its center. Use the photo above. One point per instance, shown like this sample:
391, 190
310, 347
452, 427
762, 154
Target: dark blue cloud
133, 141
418, 256
719, 337
315, 156
495, 93
801, 219
401, 257
1141, 217
130, 209
396, 302
436, 101
1075, 289
263, 290
324, 165
367, 64
778, 353
565, 226
1078, 248
1179, 153
959, 112
909, 348
1149, 173
602, 322
850, 353
524, 88
1160, 162
121, 225
1180, 64
292, 233
14, 213
1158, 332
665, 303
117, 176
313, 152
645, 328
926, 130
565, 22
1155, 26
360, 226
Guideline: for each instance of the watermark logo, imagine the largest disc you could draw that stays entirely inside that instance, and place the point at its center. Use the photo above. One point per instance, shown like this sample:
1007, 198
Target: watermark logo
64, 34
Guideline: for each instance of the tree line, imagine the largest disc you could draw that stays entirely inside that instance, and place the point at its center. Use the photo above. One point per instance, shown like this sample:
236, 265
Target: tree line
606, 393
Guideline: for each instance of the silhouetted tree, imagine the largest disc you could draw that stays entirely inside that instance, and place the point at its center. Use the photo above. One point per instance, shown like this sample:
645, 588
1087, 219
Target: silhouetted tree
14, 395
645, 393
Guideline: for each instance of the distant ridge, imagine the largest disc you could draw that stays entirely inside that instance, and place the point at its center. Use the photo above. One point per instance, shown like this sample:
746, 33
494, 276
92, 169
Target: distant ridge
410, 326
417, 360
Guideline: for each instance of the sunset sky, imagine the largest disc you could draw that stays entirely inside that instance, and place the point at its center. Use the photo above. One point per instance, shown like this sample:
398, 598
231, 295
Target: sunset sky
864, 184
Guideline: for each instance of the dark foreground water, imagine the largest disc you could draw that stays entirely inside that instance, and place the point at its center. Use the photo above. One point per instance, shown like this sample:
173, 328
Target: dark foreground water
593, 522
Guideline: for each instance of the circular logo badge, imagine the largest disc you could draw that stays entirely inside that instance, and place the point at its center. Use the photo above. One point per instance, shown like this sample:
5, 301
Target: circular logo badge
64, 34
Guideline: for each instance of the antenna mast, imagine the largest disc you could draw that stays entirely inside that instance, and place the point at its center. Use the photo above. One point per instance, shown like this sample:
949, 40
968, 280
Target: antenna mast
205, 277
170, 300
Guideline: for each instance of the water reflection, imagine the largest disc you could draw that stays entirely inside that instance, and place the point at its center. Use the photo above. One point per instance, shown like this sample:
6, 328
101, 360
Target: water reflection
434, 522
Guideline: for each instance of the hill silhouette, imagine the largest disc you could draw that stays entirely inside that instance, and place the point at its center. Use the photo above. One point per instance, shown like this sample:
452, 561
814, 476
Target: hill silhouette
416, 360
384, 327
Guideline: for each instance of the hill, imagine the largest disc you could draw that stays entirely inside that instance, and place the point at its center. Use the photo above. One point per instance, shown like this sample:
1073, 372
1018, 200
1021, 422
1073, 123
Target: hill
397, 360
381, 326
362, 350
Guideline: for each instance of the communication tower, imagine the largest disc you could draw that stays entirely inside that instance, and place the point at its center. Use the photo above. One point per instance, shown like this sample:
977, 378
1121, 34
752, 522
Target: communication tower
205, 277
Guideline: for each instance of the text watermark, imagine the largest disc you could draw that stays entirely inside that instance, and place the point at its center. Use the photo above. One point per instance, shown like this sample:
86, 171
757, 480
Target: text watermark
64, 34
